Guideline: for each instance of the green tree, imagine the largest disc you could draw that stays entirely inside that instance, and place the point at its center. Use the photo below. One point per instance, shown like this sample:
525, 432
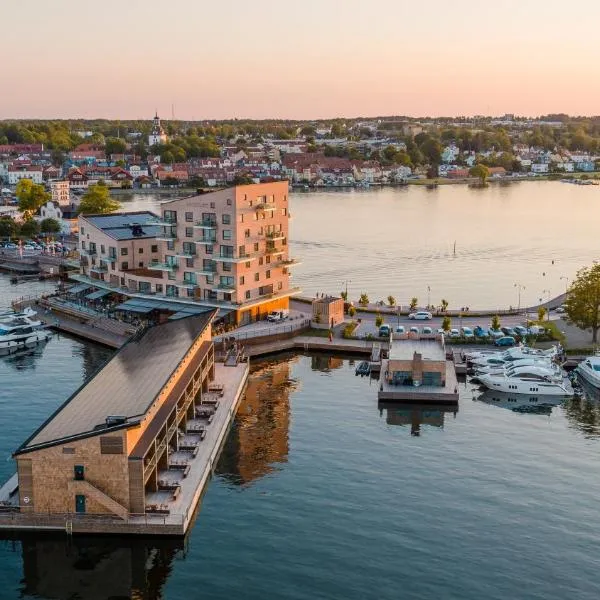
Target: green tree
480, 171
446, 323
582, 304
50, 226
496, 322
444, 305
31, 197
8, 227
29, 228
97, 201
378, 320
344, 295
351, 311
541, 313
364, 299
413, 303
391, 301
115, 146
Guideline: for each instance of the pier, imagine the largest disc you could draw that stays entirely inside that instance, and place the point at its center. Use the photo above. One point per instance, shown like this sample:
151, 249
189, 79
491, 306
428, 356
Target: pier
133, 449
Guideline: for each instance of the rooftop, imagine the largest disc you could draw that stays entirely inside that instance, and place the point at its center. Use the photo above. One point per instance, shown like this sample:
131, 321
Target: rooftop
126, 386
120, 226
429, 349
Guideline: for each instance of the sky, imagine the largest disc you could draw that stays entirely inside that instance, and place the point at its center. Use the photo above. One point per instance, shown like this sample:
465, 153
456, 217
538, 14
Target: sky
306, 59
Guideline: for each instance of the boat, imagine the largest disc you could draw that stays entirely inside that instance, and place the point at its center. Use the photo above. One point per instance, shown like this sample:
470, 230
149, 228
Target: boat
534, 403
11, 315
511, 355
589, 369
530, 381
549, 369
541, 361
363, 368
21, 333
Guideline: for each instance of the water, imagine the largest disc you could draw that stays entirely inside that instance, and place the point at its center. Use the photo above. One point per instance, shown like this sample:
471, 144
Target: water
319, 495
400, 241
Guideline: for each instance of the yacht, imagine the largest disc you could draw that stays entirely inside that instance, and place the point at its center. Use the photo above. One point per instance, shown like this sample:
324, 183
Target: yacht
548, 369
11, 315
508, 356
20, 333
530, 381
520, 402
589, 369
542, 361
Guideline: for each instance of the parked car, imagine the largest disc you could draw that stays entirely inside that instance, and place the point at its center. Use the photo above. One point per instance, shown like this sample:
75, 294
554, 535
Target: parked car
421, 315
400, 329
467, 332
506, 340
427, 330
536, 330
508, 331
454, 333
385, 330
277, 316
561, 309
520, 330
414, 330
440, 330
495, 333
479, 332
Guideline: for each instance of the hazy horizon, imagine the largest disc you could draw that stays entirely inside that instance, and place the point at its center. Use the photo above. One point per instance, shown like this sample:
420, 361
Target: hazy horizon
271, 60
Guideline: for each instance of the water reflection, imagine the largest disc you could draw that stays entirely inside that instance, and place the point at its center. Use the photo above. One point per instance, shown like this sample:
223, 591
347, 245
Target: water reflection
96, 568
24, 359
259, 437
325, 363
415, 415
521, 402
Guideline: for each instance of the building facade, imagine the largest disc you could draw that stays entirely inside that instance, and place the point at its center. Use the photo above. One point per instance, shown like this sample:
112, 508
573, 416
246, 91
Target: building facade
157, 135
18, 172
61, 193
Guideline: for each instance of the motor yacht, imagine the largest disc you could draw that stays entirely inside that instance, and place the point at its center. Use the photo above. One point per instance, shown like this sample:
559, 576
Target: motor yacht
589, 369
531, 380
513, 354
542, 361
20, 333
11, 315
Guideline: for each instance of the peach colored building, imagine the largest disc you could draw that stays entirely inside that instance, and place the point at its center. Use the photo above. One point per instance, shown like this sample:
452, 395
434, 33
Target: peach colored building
229, 248
328, 311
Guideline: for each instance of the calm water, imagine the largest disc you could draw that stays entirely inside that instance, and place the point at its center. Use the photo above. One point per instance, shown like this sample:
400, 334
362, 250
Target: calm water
318, 494
399, 241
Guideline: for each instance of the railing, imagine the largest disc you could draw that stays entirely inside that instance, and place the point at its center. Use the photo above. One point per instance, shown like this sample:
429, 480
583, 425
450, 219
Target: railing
163, 266
275, 235
266, 206
239, 335
206, 224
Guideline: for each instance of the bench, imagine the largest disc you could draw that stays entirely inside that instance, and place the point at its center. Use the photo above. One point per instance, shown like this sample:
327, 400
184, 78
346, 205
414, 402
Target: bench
195, 452
186, 471
176, 493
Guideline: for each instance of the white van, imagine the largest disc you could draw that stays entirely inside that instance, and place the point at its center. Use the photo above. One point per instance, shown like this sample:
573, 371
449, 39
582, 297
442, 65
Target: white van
278, 315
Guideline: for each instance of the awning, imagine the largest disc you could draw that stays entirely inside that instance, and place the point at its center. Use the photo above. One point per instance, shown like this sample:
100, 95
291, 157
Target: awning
180, 310
77, 289
98, 294
127, 307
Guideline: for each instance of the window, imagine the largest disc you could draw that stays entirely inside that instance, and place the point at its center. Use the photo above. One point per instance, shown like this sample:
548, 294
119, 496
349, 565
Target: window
140, 251
268, 274
228, 201
256, 276
265, 289
256, 247
158, 288
189, 217
154, 248
209, 249
79, 503
247, 233
268, 259
226, 281
82, 230
242, 280
280, 285
226, 251
141, 264
83, 245
226, 219
284, 212
189, 248
226, 234
124, 266
227, 267
242, 250
247, 294
247, 264
189, 277
212, 204
242, 218
261, 260
170, 275
170, 245
170, 216
112, 252
124, 251
78, 473
189, 232
102, 250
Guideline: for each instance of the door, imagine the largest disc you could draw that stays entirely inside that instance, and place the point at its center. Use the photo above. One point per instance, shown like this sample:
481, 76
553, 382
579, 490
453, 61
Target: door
79, 503
78, 473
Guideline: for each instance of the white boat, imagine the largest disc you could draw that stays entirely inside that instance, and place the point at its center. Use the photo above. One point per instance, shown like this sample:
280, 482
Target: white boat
520, 402
11, 315
21, 333
509, 356
531, 381
589, 369
542, 361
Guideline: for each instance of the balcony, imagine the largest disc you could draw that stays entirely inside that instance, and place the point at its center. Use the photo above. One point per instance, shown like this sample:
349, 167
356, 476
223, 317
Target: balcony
223, 287
272, 249
99, 269
184, 254
287, 262
167, 236
275, 235
266, 206
108, 259
234, 259
207, 271
88, 252
206, 241
188, 285
162, 222
163, 266
205, 224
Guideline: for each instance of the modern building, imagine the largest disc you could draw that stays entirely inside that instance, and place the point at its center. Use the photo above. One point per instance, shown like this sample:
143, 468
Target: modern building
119, 248
229, 248
328, 311
137, 441
157, 135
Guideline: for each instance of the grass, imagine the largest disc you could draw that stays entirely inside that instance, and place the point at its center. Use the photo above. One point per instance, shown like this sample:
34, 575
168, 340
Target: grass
317, 332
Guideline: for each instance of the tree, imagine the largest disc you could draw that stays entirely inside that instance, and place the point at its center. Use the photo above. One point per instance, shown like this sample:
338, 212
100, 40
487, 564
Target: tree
364, 299
344, 295
242, 180
29, 228
444, 305
50, 226
541, 313
378, 320
170, 181
496, 322
115, 146
480, 171
97, 201
446, 323
31, 197
413, 303
582, 305
8, 227
351, 311
391, 301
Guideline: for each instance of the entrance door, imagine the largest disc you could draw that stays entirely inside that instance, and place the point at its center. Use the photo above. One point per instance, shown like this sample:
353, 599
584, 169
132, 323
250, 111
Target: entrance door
79, 503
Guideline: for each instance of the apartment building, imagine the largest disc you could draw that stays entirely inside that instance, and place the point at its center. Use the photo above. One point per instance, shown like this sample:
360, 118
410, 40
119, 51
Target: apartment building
118, 249
229, 248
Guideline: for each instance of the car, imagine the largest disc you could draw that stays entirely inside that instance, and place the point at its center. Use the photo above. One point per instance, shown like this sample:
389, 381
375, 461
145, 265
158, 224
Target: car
454, 333
520, 330
400, 329
536, 330
385, 330
427, 330
495, 333
560, 310
440, 330
414, 330
506, 340
479, 332
467, 332
277, 316
508, 331
10, 246
421, 315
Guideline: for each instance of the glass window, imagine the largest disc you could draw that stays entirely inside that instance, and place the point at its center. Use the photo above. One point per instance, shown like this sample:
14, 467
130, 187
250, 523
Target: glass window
170, 216
189, 217
189, 277
209, 249
170, 245
101, 248
124, 252
268, 274
247, 294
256, 247
154, 248
124, 266
140, 251
189, 232
226, 219
189, 263
228, 201
227, 267
226, 234
247, 233
242, 250
256, 276
260, 260
159, 288
242, 280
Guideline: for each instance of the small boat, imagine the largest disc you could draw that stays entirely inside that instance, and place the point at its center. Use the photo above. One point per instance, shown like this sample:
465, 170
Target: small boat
364, 368
589, 369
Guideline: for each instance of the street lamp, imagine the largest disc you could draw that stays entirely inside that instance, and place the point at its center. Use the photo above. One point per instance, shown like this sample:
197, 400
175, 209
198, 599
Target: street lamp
520, 288
428, 297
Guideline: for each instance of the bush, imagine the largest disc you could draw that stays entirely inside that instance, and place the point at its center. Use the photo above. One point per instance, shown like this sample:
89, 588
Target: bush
446, 324
391, 301
364, 299
378, 320
496, 322
351, 311
348, 330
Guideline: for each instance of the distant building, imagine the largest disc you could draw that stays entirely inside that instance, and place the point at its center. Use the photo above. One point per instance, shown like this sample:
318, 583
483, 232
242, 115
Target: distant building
60, 191
327, 312
157, 135
18, 172
51, 210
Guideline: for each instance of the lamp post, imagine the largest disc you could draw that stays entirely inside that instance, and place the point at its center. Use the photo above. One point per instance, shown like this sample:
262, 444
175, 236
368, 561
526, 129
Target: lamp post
566, 284
548, 303
520, 288
428, 297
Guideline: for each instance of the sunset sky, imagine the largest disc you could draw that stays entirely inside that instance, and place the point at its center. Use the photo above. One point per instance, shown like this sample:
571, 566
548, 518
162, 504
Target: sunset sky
304, 59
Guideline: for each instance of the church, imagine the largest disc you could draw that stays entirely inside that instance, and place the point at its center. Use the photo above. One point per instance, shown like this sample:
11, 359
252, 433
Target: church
157, 135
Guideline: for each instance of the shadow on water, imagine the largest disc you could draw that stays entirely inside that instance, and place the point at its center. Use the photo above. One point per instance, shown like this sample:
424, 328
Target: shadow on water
95, 568
416, 415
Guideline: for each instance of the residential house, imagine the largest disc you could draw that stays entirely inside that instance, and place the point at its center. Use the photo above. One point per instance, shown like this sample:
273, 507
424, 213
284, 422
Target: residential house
18, 172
